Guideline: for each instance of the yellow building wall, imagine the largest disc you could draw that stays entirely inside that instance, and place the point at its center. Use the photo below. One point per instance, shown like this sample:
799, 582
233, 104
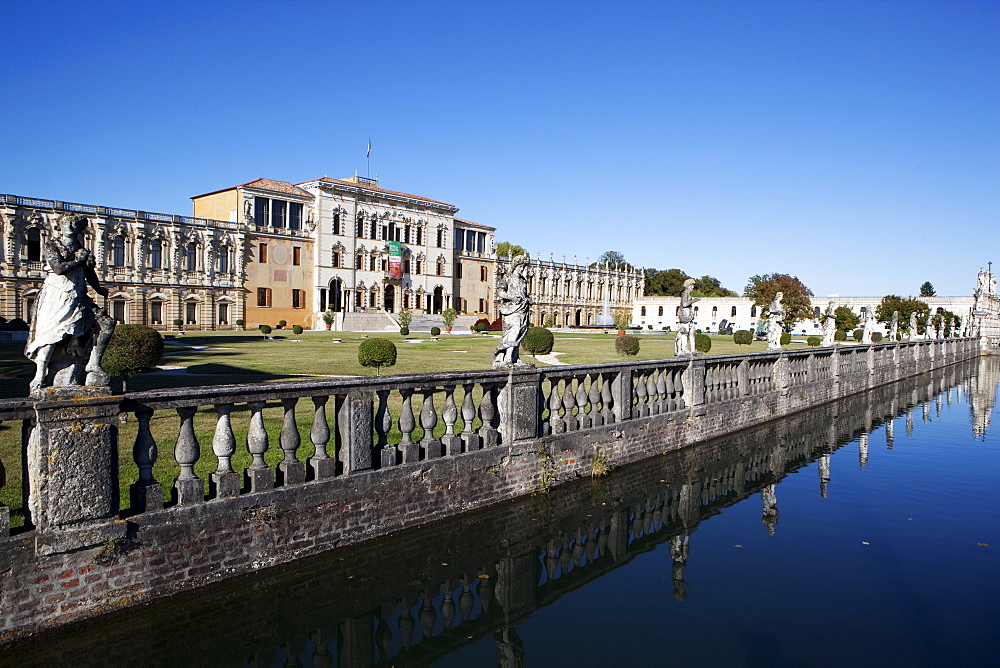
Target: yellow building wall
218, 206
281, 275
471, 288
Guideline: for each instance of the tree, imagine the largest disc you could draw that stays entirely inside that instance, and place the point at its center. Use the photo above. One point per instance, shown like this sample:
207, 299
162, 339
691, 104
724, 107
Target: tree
667, 282
507, 249
377, 353
944, 319
710, 286
612, 259
847, 320
762, 289
132, 350
538, 341
891, 303
626, 344
927, 289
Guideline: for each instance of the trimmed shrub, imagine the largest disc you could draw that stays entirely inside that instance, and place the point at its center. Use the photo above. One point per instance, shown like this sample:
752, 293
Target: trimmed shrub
496, 325
404, 331
281, 324
786, 338
743, 337
132, 350
538, 341
296, 329
702, 343
481, 325
240, 322
178, 323
265, 330
840, 335
814, 341
377, 353
626, 344
435, 331
876, 337
858, 334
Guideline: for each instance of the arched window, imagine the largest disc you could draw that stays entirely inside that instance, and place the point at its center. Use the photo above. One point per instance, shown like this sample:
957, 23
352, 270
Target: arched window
642, 312
118, 251
816, 311
33, 245
660, 311
732, 314
753, 311
156, 254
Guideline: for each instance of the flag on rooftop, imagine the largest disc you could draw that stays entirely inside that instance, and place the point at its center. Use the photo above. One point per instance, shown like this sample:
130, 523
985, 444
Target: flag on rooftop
368, 153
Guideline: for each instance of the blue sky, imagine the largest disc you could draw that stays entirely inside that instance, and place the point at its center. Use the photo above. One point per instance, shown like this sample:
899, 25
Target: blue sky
855, 144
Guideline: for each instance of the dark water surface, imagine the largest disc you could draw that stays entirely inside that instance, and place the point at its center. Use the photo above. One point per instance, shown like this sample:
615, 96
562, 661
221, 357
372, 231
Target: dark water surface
865, 532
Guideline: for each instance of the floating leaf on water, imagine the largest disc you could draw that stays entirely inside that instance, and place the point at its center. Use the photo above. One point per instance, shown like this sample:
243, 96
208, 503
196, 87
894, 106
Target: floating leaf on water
983, 544
865, 542
737, 546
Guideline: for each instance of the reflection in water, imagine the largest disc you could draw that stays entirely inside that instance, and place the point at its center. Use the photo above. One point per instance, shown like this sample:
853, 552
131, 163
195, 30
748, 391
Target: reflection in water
417, 597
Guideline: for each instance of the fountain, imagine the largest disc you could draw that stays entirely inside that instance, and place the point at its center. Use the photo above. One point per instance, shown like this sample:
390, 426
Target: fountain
605, 319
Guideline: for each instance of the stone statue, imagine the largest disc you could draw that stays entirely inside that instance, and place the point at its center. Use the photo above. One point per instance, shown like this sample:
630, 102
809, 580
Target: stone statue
894, 326
928, 328
248, 211
69, 331
775, 322
829, 325
684, 341
515, 309
869, 326
912, 334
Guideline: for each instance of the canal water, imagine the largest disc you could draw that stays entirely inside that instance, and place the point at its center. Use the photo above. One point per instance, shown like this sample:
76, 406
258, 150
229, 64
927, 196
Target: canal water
863, 532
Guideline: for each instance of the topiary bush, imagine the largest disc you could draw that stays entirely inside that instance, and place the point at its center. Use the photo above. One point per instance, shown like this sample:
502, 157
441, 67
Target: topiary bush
405, 331
840, 335
786, 338
876, 337
178, 323
296, 329
626, 344
743, 337
435, 331
377, 353
132, 350
858, 334
814, 341
265, 330
240, 322
538, 341
281, 324
702, 343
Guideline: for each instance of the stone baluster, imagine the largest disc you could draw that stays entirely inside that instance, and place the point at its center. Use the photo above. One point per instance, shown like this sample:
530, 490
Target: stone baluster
321, 463
466, 601
383, 635
488, 415
406, 624
556, 425
661, 390
607, 399
321, 658
4, 510
578, 548
409, 451
447, 607
564, 557
383, 424
652, 392
569, 403
642, 409
551, 560
428, 615
583, 417
470, 439
669, 391
225, 481
259, 476
187, 486
452, 442
594, 397
592, 537
291, 470
146, 493
429, 446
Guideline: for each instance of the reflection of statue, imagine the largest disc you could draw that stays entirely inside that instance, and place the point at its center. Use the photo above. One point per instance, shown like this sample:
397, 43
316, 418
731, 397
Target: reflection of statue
515, 308
913, 327
679, 550
775, 322
69, 332
894, 326
510, 648
684, 341
769, 514
829, 325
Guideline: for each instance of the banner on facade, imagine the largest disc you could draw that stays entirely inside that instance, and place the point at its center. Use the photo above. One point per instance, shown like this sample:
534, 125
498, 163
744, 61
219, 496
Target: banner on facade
395, 259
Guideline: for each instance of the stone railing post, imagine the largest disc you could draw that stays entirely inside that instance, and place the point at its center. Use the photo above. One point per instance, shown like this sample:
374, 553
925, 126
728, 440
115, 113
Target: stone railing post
621, 394
73, 469
870, 358
693, 381
354, 431
518, 404
782, 375
743, 377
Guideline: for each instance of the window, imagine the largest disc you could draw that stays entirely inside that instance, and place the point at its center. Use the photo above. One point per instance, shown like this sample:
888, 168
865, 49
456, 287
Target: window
406, 265
118, 251
263, 296
753, 311
460, 239
298, 298
484, 273
865, 308
420, 234
191, 257
383, 264
816, 311
440, 268
406, 234
297, 255
191, 313
262, 254
156, 313
278, 213
336, 259
359, 261
357, 299
359, 226
420, 266
733, 313
156, 254
261, 211
371, 263
440, 238
336, 223
480, 242
715, 312
224, 260
661, 311
223, 314
118, 310
33, 245
642, 311
294, 216
482, 305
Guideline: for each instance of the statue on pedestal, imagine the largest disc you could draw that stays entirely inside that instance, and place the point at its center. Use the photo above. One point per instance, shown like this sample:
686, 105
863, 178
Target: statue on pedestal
829, 325
515, 310
684, 341
894, 326
775, 322
69, 331
869, 326
912, 334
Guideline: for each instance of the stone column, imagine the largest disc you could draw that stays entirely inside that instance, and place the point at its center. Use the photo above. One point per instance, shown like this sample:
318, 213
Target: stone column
518, 404
73, 469
693, 381
354, 431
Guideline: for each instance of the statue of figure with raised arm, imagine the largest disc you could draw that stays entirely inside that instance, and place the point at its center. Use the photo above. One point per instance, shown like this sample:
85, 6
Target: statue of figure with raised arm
684, 341
829, 325
894, 327
775, 322
912, 334
515, 310
868, 326
69, 331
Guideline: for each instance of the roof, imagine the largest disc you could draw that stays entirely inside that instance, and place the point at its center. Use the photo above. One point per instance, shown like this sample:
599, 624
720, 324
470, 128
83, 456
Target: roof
351, 184
266, 184
472, 224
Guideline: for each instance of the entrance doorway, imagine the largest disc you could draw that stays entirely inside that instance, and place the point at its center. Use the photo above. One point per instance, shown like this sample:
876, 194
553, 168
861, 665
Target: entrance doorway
389, 299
